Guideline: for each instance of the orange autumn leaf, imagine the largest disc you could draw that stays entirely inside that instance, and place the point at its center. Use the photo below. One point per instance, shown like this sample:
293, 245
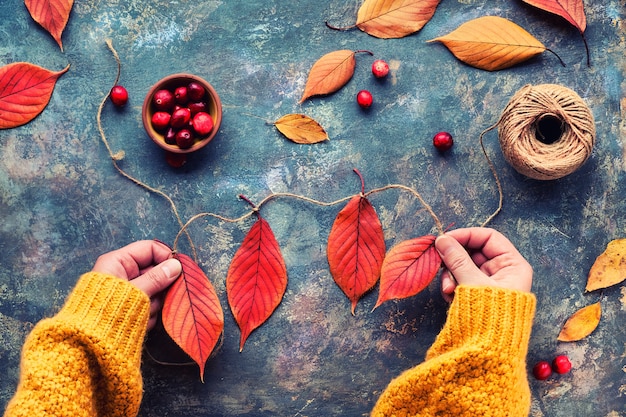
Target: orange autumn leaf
329, 73
609, 268
256, 279
581, 323
408, 268
25, 90
300, 128
52, 15
192, 314
389, 19
491, 43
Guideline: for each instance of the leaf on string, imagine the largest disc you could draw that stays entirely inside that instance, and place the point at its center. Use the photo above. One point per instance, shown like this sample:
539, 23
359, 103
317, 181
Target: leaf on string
192, 314
329, 73
408, 268
356, 248
25, 90
52, 15
389, 19
609, 268
491, 43
300, 128
580, 324
256, 280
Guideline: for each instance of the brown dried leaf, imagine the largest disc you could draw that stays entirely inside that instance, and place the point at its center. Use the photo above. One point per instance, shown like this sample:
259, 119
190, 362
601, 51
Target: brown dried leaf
609, 268
389, 19
300, 128
491, 43
331, 72
581, 323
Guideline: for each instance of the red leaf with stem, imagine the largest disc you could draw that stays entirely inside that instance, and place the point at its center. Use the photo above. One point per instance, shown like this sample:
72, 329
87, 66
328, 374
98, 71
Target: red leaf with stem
52, 15
256, 280
356, 248
408, 268
192, 314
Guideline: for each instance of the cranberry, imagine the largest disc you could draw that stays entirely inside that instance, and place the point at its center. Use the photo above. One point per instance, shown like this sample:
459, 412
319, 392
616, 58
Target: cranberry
364, 99
180, 94
197, 107
542, 370
380, 68
163, 100
184, 138
202, 123
180, 117
175, 160
561, 364
161, 120
170, 136
443, 141
195, 91
119, 96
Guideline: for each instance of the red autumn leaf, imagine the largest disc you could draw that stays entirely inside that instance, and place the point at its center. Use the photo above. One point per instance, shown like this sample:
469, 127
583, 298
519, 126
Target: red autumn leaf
408, 268
356, 248
52, 15
25, 90
192, 314
256, 280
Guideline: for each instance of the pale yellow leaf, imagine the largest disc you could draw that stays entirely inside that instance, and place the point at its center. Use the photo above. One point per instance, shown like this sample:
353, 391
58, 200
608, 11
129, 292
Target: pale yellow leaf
609, 268
300, 128
389, 19
581, 323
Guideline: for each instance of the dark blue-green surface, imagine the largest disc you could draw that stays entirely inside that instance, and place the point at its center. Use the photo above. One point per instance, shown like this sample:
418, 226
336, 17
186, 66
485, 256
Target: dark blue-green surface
62, 203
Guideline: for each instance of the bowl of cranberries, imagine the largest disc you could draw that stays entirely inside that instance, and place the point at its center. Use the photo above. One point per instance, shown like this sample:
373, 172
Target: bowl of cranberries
182, 113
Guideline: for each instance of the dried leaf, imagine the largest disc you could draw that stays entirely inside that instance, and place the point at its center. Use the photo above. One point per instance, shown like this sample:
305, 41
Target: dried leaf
571, 10
300, 128
329, 73
192, 314
389, 19
609, 268
491, 43
25, 90
581, 323
52, 15
356, 248
256, 280
408, 268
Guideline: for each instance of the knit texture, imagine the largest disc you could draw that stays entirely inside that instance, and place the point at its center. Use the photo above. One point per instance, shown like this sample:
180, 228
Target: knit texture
477, 365
85, 361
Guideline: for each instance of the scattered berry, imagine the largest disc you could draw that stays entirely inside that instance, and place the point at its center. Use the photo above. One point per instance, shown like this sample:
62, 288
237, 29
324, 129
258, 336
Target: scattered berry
561, 364
184, 138
163, 100
380, 68
161, 121
175, 160
180, 94
202, 123
180, 117
542, 370
443, 141
195, 91
119, 96
365, 99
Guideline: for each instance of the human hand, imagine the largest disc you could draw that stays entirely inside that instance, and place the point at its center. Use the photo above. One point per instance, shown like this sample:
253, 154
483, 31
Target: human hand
147, 264
481, 256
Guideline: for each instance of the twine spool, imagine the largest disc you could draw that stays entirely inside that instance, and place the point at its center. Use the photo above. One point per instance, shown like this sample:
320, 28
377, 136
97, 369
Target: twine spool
546, 131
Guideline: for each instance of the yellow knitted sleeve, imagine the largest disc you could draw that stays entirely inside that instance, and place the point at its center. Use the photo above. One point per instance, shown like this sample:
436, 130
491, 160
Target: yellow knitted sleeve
477, 364
85, 361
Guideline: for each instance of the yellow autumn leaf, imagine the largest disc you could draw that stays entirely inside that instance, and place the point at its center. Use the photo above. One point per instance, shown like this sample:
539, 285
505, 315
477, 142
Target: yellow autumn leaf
300, 128
389, 19
329, 73
609, 268
491, 43
581, 323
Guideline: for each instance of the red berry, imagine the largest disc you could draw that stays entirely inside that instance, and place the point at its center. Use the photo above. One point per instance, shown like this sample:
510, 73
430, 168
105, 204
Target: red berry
195, 91
380, 68
175, 160
161, 120
180, 94
119, 96
180, 117
561, 364
542, 370
197, 107
170, 136
163, 100
365, 99
443, 141
184, 138
202, 123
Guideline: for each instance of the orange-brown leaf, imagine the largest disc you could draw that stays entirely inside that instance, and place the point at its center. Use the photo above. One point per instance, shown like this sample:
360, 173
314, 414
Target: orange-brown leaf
329, 73
609, 268
571, 10
25, 90
491, 43
192, 314
581, 323
256, 280
300, 128
356, 248
389, 19
408, 268
52, 15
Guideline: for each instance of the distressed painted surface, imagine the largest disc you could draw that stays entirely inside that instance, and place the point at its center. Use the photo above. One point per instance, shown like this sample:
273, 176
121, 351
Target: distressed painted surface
63, 204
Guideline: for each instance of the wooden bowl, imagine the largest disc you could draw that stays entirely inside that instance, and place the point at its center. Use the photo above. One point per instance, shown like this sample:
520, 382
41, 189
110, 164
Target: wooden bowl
171, 82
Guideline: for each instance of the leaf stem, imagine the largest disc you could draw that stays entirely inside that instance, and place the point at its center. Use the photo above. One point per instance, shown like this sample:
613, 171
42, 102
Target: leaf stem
329, 26
356, 171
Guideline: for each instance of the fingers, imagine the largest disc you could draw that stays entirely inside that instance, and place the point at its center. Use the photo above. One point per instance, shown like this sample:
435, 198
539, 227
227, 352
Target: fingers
133, 259
483, 242
158, 278
459, 264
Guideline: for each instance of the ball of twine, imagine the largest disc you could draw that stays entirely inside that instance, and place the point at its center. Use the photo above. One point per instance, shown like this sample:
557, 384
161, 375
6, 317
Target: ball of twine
546, 131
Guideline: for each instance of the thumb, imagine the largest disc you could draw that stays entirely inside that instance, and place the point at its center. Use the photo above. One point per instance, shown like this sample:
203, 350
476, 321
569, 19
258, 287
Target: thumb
457, 260
158, 278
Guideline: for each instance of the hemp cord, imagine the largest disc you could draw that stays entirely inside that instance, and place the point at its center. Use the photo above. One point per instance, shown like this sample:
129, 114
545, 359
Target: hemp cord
527, 149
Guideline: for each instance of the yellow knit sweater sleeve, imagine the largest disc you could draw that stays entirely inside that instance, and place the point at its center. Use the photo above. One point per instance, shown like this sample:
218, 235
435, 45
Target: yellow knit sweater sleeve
85, 361
477, 365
